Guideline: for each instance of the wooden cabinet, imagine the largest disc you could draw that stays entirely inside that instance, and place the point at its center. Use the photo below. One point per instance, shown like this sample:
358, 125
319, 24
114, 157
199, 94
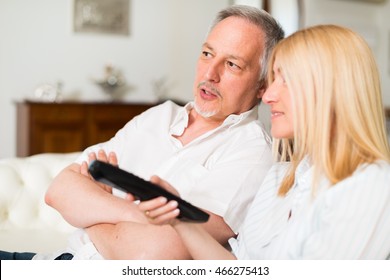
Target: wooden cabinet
69, 126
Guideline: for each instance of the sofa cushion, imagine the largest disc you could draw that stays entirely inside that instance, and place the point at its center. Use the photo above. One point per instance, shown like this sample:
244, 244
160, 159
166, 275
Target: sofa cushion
26, 222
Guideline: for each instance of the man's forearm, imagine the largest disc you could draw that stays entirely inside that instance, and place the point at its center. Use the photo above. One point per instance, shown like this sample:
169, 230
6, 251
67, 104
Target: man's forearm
103, 237
218, 229
137, 241
132, 240
200, 244
83, 203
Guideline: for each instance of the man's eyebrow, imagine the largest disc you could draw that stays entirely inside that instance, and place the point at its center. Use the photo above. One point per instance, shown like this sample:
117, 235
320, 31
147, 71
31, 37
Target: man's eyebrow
207, 45
238, 58
231, 56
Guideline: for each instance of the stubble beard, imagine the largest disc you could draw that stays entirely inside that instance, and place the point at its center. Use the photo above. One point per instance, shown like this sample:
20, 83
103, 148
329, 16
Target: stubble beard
204, 112
200, 106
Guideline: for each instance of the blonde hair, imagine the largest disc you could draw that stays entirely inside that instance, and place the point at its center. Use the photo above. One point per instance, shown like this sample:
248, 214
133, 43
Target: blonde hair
339, 120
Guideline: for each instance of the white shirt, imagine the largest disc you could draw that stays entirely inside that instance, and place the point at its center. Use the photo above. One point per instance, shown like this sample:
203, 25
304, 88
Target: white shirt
219, 171
350, 220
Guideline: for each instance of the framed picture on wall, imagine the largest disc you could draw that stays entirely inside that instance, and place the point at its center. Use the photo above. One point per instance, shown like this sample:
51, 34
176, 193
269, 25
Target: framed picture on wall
261, 4
101, 16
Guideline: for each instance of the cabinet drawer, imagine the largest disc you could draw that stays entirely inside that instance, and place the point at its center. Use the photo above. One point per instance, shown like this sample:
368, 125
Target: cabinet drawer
60, 112
107, 113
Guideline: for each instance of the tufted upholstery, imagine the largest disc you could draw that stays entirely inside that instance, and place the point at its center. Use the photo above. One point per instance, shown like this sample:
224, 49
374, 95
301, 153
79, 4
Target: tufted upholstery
26, 222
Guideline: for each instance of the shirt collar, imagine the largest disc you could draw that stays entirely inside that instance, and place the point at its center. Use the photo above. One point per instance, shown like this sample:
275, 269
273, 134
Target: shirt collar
303, 174
247, 116
304, 177
181, 120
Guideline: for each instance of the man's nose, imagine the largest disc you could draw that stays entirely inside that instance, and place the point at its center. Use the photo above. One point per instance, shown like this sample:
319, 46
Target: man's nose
214, 72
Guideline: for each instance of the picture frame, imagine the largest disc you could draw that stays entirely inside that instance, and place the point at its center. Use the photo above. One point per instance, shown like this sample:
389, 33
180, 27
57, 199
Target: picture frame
260, 4
101, 16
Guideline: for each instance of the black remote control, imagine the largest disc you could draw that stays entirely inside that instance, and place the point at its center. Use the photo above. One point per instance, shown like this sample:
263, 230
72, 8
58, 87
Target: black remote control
142, 189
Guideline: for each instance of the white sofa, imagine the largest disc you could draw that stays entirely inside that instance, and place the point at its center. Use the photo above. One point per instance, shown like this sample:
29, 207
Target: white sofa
26, 222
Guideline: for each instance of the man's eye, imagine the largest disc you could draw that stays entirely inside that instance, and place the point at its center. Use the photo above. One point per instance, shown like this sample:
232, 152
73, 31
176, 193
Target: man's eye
206, 54
233, 65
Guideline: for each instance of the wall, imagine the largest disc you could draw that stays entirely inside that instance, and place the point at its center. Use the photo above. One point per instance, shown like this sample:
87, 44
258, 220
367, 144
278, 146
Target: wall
38, 46
369, 19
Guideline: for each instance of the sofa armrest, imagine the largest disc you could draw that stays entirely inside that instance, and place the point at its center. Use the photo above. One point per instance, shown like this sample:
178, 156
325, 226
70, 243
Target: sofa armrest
26, 222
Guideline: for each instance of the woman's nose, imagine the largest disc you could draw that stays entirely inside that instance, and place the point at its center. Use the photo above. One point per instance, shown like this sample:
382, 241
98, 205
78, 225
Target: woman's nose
269, 95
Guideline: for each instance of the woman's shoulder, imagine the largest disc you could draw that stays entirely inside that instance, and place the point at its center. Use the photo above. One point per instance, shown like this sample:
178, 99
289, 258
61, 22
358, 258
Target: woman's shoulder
368, 177
379, 169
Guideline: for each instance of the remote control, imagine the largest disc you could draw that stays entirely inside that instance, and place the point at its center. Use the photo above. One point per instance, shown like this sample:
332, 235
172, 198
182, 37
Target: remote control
142, 189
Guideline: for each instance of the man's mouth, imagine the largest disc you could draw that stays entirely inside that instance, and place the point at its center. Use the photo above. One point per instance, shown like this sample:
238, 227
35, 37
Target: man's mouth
204, 91
208, 91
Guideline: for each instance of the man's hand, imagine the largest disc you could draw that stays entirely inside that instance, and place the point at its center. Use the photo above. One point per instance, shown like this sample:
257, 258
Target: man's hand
111, 158
164, 184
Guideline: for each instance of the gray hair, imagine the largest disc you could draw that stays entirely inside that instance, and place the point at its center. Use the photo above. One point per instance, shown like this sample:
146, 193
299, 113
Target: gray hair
271, 28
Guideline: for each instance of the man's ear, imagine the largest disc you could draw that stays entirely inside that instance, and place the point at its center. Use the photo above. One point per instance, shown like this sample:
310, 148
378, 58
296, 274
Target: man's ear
260, 93
261, 90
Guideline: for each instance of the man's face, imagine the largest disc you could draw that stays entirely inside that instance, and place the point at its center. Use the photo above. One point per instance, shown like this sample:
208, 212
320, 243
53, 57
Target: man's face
228, 69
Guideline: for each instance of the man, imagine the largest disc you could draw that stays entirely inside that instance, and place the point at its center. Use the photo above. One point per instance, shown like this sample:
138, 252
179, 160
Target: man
214, 151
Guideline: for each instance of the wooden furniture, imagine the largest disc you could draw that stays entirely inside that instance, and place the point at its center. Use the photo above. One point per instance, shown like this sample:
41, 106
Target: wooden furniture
69, 126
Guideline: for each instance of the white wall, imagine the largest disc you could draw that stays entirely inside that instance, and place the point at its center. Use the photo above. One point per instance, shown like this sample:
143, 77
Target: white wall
371, 20
38, 46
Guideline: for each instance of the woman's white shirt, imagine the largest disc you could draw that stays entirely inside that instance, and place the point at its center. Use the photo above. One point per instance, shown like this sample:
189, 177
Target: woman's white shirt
350, 220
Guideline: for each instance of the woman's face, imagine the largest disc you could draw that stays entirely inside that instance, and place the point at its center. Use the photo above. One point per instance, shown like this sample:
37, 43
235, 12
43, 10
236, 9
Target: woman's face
278, 97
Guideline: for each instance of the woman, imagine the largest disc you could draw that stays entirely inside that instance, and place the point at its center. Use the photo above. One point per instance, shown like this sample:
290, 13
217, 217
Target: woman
329, 195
